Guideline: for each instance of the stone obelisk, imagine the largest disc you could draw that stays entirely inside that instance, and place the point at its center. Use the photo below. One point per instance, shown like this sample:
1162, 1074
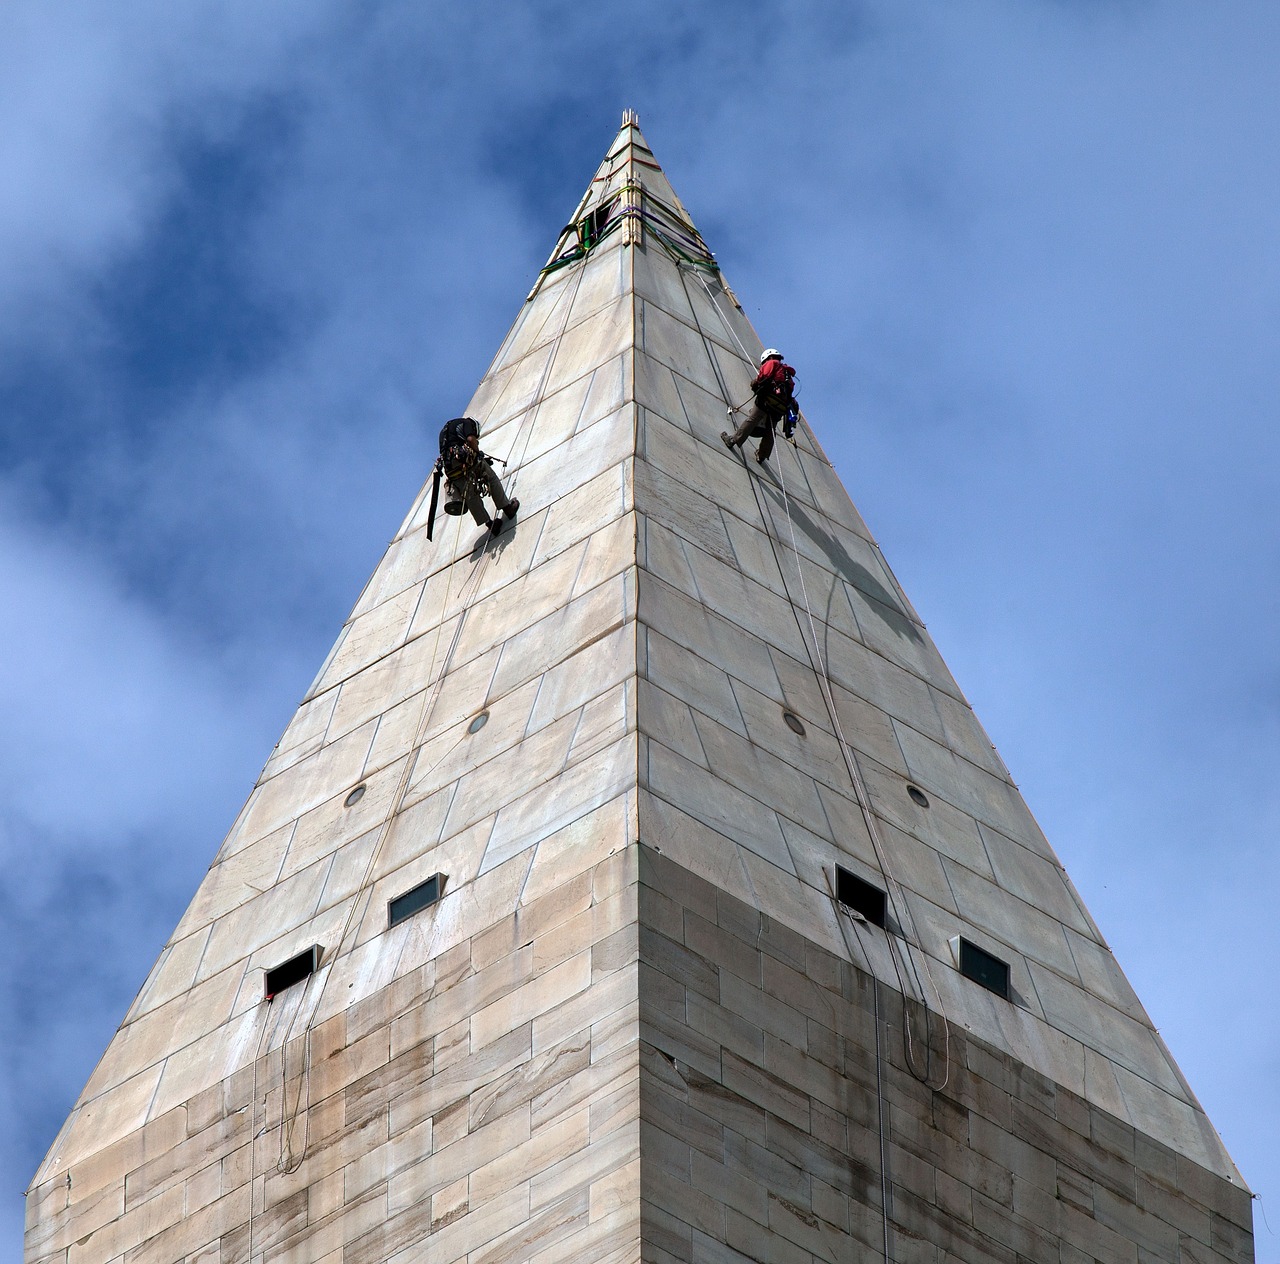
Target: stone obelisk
636, 885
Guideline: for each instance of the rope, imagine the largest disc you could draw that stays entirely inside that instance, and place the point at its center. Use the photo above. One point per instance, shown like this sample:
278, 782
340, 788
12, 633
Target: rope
819, 667
289, 1160
429, 699
880, 1112
849, 755
531, 414
677, 235
253, 1134
843, 912
746, 355
864, 802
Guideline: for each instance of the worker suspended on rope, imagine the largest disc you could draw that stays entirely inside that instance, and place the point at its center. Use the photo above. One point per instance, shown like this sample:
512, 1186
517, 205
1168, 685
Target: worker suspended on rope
772, 401
469, 477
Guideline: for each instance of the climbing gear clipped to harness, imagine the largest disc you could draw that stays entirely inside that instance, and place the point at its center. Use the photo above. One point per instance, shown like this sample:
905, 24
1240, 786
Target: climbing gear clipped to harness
774, 386
790, 421
459, 465
456, 452
456, 465
457, 491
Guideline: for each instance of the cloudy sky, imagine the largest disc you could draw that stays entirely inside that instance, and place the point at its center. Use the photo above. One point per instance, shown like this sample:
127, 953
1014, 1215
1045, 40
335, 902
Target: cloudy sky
1023, 254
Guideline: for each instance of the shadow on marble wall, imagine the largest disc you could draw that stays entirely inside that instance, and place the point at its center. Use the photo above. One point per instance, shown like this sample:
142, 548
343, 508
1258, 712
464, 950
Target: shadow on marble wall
883, 603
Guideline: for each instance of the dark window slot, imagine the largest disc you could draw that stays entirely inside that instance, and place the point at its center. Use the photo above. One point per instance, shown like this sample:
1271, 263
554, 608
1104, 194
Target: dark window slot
984, 969
860, 896
287, 973
422, 896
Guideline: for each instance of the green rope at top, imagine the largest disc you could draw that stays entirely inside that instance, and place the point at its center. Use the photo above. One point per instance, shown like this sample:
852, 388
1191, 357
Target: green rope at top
582, 228
681, 255
585, 242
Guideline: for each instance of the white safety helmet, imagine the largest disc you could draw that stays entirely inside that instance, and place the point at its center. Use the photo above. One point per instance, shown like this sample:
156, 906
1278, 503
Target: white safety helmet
770, 353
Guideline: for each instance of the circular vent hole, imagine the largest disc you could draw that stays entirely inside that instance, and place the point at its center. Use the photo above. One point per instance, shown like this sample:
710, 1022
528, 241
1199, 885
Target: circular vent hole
794, 723
478, 723
918, 796
354, 797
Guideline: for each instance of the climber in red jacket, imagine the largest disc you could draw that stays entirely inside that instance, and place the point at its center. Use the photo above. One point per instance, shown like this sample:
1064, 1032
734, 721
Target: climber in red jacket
773, 400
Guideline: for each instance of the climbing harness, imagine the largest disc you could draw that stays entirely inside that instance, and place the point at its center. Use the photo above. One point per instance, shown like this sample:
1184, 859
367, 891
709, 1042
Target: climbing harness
772, 412
901, 909
461, 467
461, 482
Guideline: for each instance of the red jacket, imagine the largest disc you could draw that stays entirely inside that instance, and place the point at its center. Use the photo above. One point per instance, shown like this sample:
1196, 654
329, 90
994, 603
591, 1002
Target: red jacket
774, 379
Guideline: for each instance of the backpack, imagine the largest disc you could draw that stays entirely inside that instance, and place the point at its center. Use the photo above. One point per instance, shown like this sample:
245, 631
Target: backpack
454, 453
776, 393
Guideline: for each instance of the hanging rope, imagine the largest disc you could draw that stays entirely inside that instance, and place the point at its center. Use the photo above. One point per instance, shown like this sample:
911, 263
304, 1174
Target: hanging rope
287, 1159
844, 913
290, 1160
531, 414
253, 1133
429, 701
897, 899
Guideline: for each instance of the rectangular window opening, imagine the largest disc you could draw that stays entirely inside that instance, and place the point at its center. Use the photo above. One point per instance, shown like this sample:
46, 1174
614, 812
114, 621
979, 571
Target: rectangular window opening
287, 973
860, 896
984, 969
422, 896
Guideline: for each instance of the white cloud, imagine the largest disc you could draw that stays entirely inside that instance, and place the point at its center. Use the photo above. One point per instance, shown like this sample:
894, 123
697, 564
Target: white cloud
1022, 256
92, 99
113, 724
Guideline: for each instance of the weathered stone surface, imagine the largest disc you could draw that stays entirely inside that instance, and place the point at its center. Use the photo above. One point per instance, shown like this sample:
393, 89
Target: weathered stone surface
635, 736
758, 1146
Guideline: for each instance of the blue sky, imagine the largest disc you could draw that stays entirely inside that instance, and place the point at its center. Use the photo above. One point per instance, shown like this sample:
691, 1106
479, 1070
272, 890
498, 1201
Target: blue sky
1022, 255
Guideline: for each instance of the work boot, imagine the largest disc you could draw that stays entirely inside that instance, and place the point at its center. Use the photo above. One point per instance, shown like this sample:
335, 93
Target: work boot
761, 457
728, 442
507, 515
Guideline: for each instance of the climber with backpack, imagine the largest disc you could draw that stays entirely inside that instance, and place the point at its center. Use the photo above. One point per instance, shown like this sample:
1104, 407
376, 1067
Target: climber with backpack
773, 401
469, 477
